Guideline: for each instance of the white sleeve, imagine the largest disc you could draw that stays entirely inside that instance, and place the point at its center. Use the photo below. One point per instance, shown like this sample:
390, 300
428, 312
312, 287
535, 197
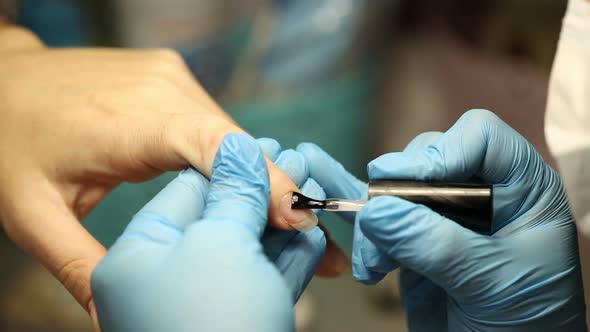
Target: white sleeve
567, 120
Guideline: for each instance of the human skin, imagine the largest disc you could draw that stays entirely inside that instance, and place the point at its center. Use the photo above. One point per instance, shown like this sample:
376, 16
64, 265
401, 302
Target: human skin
75, 123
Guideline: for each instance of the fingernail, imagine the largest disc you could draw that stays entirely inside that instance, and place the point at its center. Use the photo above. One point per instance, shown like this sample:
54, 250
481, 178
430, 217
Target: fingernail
302, 220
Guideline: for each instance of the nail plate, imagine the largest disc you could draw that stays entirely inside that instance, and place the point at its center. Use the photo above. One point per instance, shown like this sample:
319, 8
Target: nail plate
302, 220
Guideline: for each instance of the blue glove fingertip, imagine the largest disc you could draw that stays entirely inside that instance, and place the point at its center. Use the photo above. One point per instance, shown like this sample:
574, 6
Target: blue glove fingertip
239, 188
299, 259
423, 140
330, 174
270, 147
294, 165
364, 275
317, 239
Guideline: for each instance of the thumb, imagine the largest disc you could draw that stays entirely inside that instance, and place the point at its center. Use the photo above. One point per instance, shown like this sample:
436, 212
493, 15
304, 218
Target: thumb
421, 240
239, 188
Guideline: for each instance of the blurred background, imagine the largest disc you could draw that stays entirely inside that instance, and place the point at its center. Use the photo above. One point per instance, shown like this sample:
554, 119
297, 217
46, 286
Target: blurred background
357, 77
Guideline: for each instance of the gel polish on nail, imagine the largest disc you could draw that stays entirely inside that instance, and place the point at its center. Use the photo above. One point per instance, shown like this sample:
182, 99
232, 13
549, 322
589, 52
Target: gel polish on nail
302, 220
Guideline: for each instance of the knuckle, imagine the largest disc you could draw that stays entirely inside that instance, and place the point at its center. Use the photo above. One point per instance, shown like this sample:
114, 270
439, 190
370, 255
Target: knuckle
154, 84
73, 275
165, 61
167, 55
481, 117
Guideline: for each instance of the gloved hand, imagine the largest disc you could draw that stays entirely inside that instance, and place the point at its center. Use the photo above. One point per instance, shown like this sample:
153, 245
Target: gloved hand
294, 165
192, 258
525, 277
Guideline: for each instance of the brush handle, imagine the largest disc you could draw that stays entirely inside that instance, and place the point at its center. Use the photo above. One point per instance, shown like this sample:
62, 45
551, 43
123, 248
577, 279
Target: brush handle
468, 204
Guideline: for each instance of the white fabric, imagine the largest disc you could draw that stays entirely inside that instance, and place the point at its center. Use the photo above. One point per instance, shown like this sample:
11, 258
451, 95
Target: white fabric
567, 121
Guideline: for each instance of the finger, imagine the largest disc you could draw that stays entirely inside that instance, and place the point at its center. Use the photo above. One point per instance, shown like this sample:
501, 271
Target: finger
274, 240
270, 147
148, 146
334, 262
336, 182
424, 302
239, 187
332, 176
361, 247
423, 140
294, 165
369, 264
471, 147
182, 201
299, 256
200, 150
62, 245
162, 220
422, 240
479, 145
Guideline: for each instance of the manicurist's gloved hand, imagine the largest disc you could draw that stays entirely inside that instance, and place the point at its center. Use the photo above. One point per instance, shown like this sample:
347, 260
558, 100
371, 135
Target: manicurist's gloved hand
524, 277
295, 166
192, 259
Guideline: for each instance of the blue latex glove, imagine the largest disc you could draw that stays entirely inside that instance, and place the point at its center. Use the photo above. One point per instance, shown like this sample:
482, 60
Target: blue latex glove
294, 164
525, 277
296, 254
192, 258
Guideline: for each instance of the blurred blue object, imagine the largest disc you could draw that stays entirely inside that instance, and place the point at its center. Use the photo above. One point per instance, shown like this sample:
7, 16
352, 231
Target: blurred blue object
309, 40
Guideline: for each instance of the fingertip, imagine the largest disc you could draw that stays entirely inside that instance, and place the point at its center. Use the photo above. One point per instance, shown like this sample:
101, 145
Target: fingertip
312, 152
312, 189
422, 165
294, 165
386, 166
365, 276
240, 158
314, 242
270, 147
318, 237
239, 147
330, 174
180, 202
377, 208
193, 179
383, 216
377, 261
239, 188
480, 115
308, 147
423, 140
